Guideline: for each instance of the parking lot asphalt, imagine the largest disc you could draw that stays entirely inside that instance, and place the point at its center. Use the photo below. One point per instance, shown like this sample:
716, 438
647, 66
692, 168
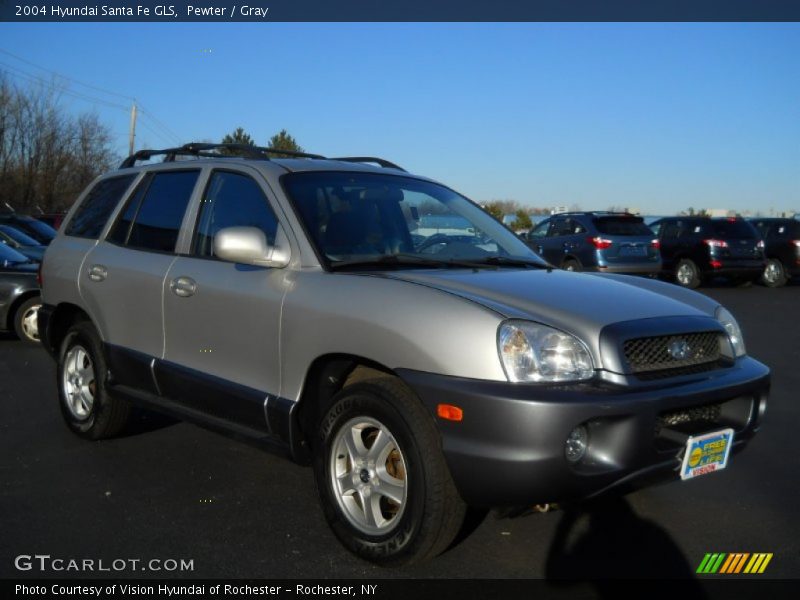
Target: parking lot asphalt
178, 491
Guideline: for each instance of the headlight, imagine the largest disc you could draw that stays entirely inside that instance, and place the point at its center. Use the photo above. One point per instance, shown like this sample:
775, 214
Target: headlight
733, 331
534, 352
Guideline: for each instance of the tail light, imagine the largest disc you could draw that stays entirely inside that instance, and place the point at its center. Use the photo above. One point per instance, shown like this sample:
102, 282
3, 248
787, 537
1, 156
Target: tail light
600, 243
39, 276
655, 244
796, 243
716, 243
715, 264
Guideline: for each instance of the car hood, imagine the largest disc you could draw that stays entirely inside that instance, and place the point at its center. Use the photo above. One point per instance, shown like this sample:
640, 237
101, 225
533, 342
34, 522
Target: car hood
579, 303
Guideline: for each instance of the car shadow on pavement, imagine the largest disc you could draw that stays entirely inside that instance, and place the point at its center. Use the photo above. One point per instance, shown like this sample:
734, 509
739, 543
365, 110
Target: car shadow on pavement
606, 540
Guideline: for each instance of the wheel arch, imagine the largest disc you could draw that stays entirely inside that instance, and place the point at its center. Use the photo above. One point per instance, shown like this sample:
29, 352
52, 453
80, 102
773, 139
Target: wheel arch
64, 315
327, 376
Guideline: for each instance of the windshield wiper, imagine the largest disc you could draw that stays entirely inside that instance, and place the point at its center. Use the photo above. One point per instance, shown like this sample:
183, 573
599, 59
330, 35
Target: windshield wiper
408, 259
515, 262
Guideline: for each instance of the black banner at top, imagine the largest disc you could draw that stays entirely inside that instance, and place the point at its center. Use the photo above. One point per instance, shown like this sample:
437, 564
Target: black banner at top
397, 10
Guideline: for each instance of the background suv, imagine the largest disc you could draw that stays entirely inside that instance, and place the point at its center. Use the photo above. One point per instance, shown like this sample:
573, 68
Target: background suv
695, 249
597, 241
782, 249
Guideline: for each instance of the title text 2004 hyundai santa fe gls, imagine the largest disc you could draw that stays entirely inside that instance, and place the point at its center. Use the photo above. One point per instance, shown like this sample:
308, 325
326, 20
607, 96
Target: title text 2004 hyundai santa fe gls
385, 329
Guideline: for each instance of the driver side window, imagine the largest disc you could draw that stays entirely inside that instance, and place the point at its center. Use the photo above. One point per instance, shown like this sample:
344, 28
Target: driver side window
231, 200
540, 231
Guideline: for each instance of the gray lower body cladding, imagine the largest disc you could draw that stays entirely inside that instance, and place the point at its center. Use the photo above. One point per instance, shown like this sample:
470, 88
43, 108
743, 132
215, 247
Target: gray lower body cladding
509, 449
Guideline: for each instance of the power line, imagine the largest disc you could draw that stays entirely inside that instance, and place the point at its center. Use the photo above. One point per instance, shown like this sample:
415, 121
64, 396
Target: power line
72, 79
167, 132
14, 72
145, 111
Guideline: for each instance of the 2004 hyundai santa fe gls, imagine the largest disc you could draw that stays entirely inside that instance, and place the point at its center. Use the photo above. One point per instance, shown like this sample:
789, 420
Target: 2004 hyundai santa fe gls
422, 365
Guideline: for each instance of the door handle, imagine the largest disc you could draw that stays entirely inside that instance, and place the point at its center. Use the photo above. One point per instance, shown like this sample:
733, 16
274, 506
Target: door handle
97, 273
183, 286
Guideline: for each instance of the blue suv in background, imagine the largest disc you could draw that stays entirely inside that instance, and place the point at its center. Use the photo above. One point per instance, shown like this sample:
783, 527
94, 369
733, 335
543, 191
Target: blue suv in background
597, 241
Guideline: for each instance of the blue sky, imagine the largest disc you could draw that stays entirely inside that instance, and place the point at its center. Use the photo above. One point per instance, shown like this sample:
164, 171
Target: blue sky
658, 116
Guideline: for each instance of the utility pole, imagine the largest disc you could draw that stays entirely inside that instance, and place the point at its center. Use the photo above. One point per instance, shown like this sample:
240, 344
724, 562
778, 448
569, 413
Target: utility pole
132, 134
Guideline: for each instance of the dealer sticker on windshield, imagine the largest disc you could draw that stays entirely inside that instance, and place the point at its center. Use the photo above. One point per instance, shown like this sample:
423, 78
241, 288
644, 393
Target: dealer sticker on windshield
706, 453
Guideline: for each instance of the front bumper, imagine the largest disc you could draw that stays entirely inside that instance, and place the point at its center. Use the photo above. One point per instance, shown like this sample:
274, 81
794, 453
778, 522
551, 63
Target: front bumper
509, 448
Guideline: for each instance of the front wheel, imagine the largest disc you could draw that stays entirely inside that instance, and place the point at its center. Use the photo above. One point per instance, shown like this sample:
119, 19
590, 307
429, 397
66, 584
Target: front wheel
385, 488
25, 324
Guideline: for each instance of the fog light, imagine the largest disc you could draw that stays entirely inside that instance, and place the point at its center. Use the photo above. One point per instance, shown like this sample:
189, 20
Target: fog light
577, 441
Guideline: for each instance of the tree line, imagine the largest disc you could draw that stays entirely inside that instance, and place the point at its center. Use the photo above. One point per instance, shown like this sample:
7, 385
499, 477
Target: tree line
47, 155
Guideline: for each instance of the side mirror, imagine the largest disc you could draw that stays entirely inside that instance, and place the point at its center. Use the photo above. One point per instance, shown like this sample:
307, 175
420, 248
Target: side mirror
248, 245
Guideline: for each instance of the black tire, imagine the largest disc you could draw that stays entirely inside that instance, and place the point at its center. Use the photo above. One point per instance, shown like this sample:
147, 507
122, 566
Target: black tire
432, 512
774, 274
571, 265
687, 274
22, 325
107, 416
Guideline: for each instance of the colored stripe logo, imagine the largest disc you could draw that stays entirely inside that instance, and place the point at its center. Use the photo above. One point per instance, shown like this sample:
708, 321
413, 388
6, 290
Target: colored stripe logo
734, 563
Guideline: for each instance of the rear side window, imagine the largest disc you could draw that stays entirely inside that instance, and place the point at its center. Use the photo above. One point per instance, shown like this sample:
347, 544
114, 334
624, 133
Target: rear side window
152, 219
786, 230
622, 226
92, 215
231, 200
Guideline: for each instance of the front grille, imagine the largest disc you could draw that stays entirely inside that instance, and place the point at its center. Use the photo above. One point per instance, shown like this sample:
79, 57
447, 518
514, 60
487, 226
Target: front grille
672, 351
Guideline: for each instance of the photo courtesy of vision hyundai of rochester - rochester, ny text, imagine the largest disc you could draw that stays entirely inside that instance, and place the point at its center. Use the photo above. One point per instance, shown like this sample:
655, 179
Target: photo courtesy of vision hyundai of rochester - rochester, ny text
313, 306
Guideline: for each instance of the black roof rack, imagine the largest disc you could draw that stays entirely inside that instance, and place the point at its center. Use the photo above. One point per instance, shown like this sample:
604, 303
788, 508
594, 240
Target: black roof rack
370, 159
207, 150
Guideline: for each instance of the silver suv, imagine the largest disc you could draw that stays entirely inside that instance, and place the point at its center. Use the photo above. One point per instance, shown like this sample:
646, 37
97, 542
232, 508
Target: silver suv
384, 329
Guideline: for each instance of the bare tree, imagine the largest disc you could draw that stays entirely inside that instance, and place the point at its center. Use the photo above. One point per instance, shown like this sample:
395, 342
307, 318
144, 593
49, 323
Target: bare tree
47, 155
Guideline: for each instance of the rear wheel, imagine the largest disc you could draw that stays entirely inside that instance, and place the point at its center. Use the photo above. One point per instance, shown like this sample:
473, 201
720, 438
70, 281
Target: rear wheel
25, 320
687, 274
86, 405
774, 274
385, 488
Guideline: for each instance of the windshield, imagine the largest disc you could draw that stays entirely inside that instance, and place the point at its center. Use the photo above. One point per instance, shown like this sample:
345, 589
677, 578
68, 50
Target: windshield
354, 217
18, 236
9, 256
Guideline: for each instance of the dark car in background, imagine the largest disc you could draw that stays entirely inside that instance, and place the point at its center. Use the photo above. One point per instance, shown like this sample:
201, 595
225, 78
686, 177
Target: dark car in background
52, 219
21, 242
597, 241
697, 249
20, 299
781, 247
41, 232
